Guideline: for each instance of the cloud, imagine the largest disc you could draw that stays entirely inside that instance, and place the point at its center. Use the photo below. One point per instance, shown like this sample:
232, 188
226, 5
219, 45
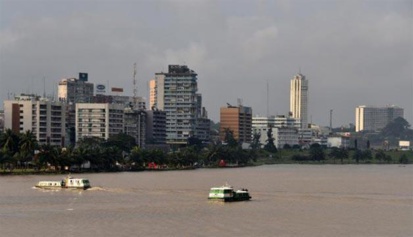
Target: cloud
352, 52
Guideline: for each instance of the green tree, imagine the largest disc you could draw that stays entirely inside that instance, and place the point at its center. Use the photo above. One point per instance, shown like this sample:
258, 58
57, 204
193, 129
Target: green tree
317, 152
380, 155
366, 155
270, 146
357, 155
122, 141
28, 143
256, 144
229, 138
396, 128
9, 142
404, 159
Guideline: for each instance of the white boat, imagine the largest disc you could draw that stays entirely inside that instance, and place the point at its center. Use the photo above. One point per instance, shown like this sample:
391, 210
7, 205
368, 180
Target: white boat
227, 194
68, 182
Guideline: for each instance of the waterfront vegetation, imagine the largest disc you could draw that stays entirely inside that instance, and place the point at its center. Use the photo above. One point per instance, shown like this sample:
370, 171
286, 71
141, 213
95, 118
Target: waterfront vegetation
21, 154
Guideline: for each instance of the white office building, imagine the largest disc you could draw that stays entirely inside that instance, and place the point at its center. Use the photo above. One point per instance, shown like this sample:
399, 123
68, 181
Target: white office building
44, 117
99, 120
370, 118
284, 129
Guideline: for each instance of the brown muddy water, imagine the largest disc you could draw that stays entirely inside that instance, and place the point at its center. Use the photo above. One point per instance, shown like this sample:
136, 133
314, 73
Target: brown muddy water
287, 200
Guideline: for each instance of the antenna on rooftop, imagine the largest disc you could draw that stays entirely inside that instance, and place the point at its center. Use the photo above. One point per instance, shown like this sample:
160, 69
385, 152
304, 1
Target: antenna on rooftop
135, 90
44, 87
267, 100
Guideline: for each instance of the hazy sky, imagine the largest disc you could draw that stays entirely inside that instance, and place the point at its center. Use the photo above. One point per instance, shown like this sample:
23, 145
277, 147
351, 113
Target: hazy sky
352, 52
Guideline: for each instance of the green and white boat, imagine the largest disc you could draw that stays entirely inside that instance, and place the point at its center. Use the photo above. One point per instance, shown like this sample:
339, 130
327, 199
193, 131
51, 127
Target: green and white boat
68, 182
227, 194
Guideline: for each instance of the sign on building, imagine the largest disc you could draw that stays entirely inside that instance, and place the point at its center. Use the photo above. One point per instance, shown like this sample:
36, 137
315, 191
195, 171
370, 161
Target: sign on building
100, 89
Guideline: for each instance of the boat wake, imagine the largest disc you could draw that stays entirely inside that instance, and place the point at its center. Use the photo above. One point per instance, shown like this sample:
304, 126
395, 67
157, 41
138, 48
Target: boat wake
96, 189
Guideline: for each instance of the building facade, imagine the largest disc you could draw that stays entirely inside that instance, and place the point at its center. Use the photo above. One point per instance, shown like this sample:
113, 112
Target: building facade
237, 119
175, 92
284, 129
134, 122
98, 120
73, 90
370, 118
44, 117
299, 99
155, 127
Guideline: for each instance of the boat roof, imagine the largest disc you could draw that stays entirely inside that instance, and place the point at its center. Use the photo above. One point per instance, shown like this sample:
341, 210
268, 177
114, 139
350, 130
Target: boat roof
222, 187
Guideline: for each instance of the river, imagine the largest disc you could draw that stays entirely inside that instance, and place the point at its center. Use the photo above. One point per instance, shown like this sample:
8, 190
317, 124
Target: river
287, 200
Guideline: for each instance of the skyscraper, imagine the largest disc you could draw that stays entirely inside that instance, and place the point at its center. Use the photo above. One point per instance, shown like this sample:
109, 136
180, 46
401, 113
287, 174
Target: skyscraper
175, 92
299, 99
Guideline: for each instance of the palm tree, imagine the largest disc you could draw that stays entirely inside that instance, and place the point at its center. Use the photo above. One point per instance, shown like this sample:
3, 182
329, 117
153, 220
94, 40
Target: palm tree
9, 141
28, 144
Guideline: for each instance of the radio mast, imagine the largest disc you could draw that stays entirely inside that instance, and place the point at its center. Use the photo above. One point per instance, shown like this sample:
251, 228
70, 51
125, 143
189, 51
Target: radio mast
135, 90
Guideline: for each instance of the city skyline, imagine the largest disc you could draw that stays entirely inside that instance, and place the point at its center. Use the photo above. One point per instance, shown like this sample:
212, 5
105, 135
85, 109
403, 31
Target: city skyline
352, 52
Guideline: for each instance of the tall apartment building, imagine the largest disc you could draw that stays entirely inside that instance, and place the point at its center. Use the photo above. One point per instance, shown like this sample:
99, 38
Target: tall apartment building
175, 92
299, 99
45, 118
73, 90
238, 119
369, 118
99, 120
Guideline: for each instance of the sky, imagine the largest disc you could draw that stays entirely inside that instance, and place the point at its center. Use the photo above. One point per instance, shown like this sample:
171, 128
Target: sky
352, 52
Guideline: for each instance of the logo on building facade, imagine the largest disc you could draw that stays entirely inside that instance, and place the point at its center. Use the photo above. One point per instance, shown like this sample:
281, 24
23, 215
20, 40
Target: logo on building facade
100, 89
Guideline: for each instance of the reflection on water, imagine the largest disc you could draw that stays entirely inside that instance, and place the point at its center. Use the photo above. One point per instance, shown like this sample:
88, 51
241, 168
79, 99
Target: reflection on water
287, 200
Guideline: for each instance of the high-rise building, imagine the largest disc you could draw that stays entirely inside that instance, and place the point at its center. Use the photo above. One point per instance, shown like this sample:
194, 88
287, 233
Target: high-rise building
369, 118
237, 119
175, 92
299, 99
44, 117
99, 120
73, 90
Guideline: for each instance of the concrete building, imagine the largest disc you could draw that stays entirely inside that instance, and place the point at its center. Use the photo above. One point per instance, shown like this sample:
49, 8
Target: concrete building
284, 129
285, 136
238, 119
299, 99
73, 90
44, 117
175, 92
99, 120
135, 125
155, 127
369, 118
126, 101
